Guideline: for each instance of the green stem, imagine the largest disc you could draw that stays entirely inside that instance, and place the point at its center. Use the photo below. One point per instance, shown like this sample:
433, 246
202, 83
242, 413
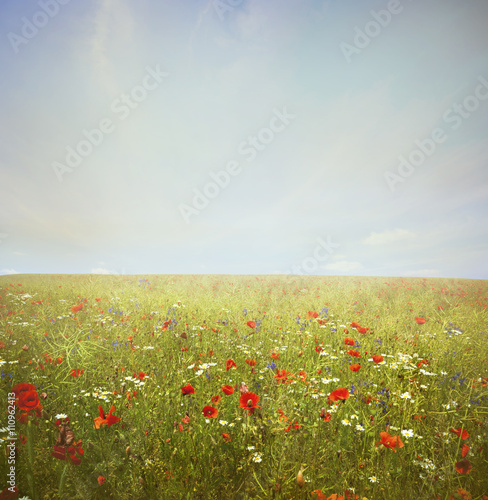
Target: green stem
30, 450
62, 480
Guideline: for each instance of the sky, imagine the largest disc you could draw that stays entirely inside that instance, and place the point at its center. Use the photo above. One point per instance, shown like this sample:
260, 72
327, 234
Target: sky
323, 137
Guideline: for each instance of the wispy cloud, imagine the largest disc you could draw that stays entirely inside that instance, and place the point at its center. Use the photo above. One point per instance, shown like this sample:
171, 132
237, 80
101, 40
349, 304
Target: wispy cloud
101, 270
387, 237
8, 271
113, 22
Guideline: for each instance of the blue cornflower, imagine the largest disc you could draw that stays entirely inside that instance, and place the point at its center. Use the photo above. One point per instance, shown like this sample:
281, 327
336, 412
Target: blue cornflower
272, 366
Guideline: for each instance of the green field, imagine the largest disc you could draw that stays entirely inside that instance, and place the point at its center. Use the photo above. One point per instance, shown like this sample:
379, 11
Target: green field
410, 422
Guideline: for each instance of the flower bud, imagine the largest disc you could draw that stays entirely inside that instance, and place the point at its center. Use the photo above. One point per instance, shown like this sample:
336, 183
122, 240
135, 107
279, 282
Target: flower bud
300, 479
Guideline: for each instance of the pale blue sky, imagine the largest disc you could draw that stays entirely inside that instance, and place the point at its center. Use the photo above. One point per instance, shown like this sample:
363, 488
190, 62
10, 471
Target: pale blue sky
324, 97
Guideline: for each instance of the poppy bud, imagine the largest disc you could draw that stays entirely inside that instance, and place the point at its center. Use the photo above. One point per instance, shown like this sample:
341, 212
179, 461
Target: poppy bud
300, 479
25, 348
128, 451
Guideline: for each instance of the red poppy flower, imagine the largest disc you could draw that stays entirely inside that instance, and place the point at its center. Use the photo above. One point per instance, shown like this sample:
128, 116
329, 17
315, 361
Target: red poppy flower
283, 417
348, 341
65, 452
463, 467
22, 387
465, 495
355, 368
228, 389
465, 450
391, 442
251, 362
296, 425
281, 377
249, 402
230, 364
275, 355
28, 399
226, 437
318, 495
318, 348
356, 354
339, 394
355, 325
210, 411
187, 389
251, 324
102, 419
101, 480
9, 494
77, 308
216, 399
312, 314
463, 435
377, 358
368, 399
362, 330
76, 372
325, 416
420, 321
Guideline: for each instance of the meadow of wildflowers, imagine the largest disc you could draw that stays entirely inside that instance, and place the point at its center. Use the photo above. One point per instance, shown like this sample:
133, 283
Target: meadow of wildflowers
243, 387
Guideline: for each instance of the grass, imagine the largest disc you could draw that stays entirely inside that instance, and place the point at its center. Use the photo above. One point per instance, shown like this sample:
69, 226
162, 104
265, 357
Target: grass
136, 341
